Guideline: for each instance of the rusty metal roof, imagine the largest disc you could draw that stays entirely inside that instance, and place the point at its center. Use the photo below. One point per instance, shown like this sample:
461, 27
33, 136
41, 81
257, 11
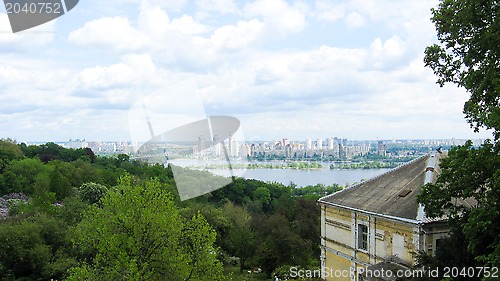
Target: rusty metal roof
383, 194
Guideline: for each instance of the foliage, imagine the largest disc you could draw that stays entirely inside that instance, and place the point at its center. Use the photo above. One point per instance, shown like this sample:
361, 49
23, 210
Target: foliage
51, 151
467, 172
318, 189
368, 165
247, 221
471, 174
138, 234
26, 176
92, 192
198, 251
241, 237
59, 184
468, 189
448, 255
469, 32
9, 151
33, 249
278, 243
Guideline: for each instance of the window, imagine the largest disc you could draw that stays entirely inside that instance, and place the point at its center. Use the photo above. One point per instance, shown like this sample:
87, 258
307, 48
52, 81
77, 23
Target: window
362, 237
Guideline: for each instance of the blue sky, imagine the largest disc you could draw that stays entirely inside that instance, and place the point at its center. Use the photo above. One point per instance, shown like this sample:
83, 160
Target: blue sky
293, 69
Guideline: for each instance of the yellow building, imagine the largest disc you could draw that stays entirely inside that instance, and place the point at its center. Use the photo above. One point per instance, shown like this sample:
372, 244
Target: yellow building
378, 224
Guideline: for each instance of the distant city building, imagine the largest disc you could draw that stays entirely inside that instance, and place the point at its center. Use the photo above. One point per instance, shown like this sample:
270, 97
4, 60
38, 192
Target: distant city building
319, 144
75, 144
233, 147
308, 144
245, 150
332, 148
201, 146
330, 143
217, 146
381, 148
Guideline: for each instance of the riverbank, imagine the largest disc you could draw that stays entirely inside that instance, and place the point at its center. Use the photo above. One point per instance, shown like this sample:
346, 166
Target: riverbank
264, 165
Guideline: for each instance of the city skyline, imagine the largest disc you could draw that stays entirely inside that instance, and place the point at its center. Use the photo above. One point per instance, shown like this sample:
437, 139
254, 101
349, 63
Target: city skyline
331, 148
283, 68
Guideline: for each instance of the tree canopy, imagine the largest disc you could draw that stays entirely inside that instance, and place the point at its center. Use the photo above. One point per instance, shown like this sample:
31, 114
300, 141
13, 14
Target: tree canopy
469, 56
138, 234
116, 218
468, 188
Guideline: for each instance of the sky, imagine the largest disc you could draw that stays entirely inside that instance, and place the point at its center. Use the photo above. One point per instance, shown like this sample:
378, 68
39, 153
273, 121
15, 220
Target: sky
286, 69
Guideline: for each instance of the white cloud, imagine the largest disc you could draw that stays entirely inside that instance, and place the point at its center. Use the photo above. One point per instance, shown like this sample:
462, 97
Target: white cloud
153, 20
237, 36
133, 70
387, 54
279, 17
267, 62
187, 25
354, 20
114, 32
392, 47
170, 5
218, 6
104, 77
329, 11
34, 37
9, 75
327, 57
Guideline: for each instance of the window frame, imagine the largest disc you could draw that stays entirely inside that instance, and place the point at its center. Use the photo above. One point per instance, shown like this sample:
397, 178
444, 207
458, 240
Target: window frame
362, 237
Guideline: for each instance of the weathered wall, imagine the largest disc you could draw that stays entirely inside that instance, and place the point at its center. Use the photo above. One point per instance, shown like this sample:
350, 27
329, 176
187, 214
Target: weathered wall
386, 238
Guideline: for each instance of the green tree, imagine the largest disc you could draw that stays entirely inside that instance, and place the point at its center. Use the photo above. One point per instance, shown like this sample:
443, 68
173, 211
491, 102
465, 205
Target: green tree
278, 243
84, 172
27, 176
241, 238
33, 249
92, 192
262, 196
60, 184
469, 55
198, 253
9, 151
470, 175
137, 234
22, 251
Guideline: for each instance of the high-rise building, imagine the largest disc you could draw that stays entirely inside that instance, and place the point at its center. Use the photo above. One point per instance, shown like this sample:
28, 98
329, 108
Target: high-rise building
308, 144
201, 145
233, 147
381, 148
217, 146
245, 150
330, 143
319, 144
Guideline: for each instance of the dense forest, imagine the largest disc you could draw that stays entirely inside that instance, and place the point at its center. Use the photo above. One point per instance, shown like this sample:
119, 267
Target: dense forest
69, 214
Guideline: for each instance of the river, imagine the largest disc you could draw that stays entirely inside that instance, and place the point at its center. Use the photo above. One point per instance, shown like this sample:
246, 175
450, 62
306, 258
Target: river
304, 177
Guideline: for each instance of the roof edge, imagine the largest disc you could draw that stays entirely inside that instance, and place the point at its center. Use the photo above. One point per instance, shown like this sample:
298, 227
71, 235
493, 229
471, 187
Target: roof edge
412, 221
322, 199
431, 165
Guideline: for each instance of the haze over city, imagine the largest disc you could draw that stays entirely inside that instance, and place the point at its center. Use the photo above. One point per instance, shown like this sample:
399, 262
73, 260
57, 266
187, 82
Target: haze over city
295, 69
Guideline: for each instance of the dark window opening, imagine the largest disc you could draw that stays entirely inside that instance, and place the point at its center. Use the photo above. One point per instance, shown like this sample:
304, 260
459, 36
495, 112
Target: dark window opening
362, 237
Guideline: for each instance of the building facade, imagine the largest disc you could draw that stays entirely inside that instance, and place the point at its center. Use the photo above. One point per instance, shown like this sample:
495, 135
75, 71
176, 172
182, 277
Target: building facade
379, 222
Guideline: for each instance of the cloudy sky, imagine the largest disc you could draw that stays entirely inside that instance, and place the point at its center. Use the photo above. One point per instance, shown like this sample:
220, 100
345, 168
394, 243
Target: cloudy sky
294, 69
